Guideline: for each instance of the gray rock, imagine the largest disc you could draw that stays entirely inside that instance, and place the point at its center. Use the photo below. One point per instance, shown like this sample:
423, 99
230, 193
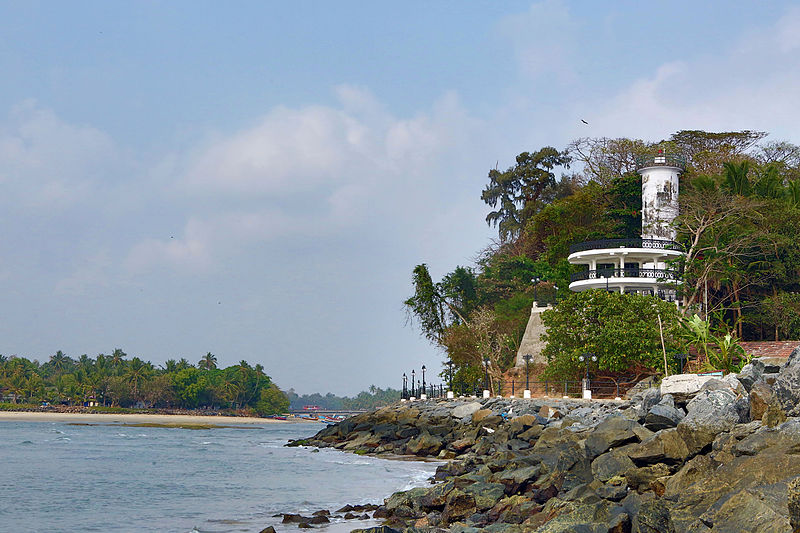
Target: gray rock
463, 411
610, 433
793, 499
611, 464
710, 413
650, 397
750, 373
683, 386
662, 416
666, 446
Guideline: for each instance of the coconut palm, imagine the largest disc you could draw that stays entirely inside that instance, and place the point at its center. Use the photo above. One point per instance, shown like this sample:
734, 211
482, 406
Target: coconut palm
208, 362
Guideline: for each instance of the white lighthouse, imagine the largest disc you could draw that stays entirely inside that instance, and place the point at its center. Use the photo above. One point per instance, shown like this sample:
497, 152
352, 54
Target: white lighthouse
659, 196
641, 265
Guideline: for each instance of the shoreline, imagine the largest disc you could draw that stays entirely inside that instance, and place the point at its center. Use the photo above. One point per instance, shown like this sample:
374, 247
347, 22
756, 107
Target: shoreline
115, 418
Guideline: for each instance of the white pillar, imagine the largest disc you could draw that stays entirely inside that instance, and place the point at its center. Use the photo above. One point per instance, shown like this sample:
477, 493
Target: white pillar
486, 393
450, 395
526, 394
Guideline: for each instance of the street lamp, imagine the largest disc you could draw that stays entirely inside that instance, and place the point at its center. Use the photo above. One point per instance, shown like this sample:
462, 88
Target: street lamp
585, 358
486, 373
535, 282
423, 378
527, 358
450, 369
405, 383
412, 385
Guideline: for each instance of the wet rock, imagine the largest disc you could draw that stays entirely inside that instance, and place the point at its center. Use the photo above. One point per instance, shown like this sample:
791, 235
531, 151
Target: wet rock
320, 520
459, 506
268, 529
424, 444
289, 518
486, 495
377, 529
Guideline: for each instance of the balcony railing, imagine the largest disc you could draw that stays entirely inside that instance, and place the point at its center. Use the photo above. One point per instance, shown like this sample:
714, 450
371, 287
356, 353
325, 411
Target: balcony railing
658, 274
655, 244
661, 160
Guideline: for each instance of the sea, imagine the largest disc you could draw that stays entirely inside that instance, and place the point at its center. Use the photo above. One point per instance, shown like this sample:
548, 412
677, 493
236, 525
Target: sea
61, 476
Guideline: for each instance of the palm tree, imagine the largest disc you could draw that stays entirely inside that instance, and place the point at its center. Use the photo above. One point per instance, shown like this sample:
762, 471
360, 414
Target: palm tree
117, 358
137, 372
209, 361
170, 365
183, 364
59, 361
736, 177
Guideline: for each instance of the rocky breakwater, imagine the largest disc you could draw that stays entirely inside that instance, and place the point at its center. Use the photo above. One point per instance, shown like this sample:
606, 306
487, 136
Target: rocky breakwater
694, 455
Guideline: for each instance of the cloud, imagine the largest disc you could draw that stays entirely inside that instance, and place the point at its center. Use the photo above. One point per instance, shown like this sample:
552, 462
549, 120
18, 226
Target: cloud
752, 85
47, 163
311, 171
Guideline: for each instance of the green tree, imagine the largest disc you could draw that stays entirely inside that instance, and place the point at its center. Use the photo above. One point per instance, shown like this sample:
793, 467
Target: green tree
622, 330
208, 362
519, 192
272, 401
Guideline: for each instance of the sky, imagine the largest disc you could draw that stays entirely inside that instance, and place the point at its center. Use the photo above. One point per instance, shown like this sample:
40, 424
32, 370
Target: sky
258, 179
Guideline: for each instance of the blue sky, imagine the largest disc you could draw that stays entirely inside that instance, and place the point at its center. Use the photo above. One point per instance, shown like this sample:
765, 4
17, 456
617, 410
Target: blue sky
259, 179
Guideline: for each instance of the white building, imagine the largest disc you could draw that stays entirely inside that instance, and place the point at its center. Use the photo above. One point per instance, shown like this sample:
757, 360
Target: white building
639, 265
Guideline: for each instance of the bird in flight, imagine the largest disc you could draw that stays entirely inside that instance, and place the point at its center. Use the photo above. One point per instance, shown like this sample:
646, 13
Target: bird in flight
584, 122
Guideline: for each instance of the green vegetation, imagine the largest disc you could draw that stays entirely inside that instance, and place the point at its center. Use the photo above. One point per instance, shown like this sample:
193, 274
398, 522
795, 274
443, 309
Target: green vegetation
621, 330
739, 220
115, 383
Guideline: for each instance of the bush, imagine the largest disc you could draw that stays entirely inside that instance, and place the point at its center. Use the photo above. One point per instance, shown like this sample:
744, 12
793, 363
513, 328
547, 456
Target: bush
620, 329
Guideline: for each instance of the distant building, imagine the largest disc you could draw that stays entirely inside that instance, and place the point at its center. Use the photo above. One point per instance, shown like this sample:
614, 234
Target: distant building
639, 265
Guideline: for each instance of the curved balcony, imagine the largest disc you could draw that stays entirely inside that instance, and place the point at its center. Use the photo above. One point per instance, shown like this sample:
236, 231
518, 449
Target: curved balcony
661, 160
656, 274
652, 244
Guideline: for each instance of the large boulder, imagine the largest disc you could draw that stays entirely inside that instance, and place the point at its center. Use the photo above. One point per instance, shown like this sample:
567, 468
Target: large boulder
610, 433
750, 373
666, 446
663, 415
424, 444
787, 385
683, 386
465, 410
710, 413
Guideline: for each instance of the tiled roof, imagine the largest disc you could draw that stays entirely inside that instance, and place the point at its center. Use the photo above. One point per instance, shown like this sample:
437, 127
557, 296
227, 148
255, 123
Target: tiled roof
769, 348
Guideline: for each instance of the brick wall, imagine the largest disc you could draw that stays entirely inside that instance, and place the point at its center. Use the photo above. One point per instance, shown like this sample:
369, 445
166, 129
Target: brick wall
769, 348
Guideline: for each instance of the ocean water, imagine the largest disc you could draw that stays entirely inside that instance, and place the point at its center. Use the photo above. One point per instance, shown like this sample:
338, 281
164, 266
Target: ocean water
55, 476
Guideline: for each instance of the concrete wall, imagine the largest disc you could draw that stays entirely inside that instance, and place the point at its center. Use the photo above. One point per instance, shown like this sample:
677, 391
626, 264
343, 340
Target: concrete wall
531, 342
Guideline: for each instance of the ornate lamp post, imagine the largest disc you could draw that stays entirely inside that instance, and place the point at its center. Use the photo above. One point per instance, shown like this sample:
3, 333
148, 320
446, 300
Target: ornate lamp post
413, 395
405, 389
535, 282
527, 392
423, 378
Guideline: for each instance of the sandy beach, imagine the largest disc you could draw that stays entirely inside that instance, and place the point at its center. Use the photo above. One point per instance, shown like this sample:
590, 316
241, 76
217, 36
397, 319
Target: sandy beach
104, 418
